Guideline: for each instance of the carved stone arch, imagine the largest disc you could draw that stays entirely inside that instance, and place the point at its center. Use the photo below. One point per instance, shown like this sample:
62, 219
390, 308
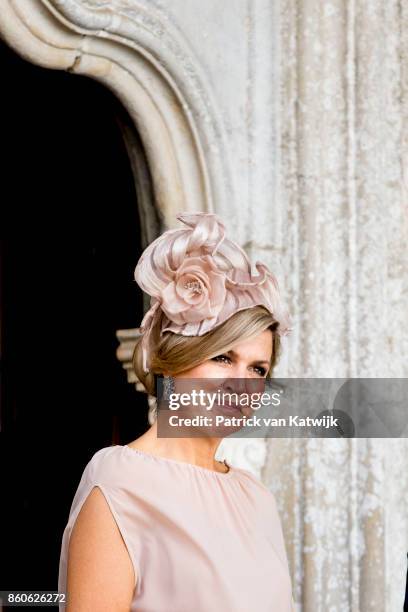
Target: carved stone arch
141, 56
137, 53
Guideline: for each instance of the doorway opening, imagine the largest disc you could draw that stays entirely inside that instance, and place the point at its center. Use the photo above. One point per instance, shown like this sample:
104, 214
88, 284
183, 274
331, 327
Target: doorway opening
71, 239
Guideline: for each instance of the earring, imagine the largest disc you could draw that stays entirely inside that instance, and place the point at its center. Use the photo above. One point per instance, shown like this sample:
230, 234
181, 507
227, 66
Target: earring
168, 386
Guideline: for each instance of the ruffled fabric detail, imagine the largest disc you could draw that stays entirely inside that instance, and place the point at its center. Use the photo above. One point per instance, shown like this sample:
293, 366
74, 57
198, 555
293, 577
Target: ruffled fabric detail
197, 279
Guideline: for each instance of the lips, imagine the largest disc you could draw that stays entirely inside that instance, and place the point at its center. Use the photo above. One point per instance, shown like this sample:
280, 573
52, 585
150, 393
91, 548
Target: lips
233, 409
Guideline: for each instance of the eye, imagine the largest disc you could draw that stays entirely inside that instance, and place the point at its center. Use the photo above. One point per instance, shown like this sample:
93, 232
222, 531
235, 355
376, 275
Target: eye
261, 370
222, 358
225, 359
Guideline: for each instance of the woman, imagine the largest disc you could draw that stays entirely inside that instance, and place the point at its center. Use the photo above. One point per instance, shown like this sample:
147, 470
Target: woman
160, 525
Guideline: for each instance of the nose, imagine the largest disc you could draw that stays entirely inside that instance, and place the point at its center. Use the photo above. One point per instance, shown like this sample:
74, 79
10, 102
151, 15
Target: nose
235, 385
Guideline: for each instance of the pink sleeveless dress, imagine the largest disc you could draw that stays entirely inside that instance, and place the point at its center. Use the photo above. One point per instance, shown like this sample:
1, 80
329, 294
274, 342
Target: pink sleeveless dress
199, 540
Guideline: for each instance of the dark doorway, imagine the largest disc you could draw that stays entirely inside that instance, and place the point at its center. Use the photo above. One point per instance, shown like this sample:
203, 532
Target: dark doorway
70, 242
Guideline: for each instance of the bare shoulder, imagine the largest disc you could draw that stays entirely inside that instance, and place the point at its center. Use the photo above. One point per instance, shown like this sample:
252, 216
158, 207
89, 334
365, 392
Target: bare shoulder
100, 575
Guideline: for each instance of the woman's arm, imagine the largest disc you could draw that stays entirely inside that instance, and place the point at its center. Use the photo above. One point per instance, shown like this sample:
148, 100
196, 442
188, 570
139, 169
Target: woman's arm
100, 575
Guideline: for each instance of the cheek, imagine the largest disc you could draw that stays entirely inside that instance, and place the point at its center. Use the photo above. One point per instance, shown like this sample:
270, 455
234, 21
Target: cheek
202, 373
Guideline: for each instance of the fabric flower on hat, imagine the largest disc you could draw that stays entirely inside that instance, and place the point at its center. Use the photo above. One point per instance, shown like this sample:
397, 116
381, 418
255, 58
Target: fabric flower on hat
196, 292
197, 278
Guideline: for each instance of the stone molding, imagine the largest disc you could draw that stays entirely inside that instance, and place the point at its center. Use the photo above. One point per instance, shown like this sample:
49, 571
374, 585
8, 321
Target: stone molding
127, 340
144, 60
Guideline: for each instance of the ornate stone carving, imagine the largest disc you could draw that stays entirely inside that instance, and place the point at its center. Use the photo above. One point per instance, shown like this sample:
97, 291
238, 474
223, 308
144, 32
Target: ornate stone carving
127, 340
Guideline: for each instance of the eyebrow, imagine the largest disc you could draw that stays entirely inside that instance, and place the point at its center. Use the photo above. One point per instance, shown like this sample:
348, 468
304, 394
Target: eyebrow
258, 362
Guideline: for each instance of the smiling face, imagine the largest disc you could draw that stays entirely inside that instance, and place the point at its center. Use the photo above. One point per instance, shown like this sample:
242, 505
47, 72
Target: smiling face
241, 370
246, 345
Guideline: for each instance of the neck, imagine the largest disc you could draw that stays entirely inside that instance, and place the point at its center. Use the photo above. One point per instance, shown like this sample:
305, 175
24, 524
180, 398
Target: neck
198, 451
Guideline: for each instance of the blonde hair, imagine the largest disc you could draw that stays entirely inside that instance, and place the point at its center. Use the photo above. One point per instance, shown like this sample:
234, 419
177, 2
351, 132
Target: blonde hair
176, 353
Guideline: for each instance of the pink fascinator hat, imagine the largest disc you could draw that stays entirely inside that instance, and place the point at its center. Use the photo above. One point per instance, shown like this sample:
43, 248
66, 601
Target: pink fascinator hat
197, 278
